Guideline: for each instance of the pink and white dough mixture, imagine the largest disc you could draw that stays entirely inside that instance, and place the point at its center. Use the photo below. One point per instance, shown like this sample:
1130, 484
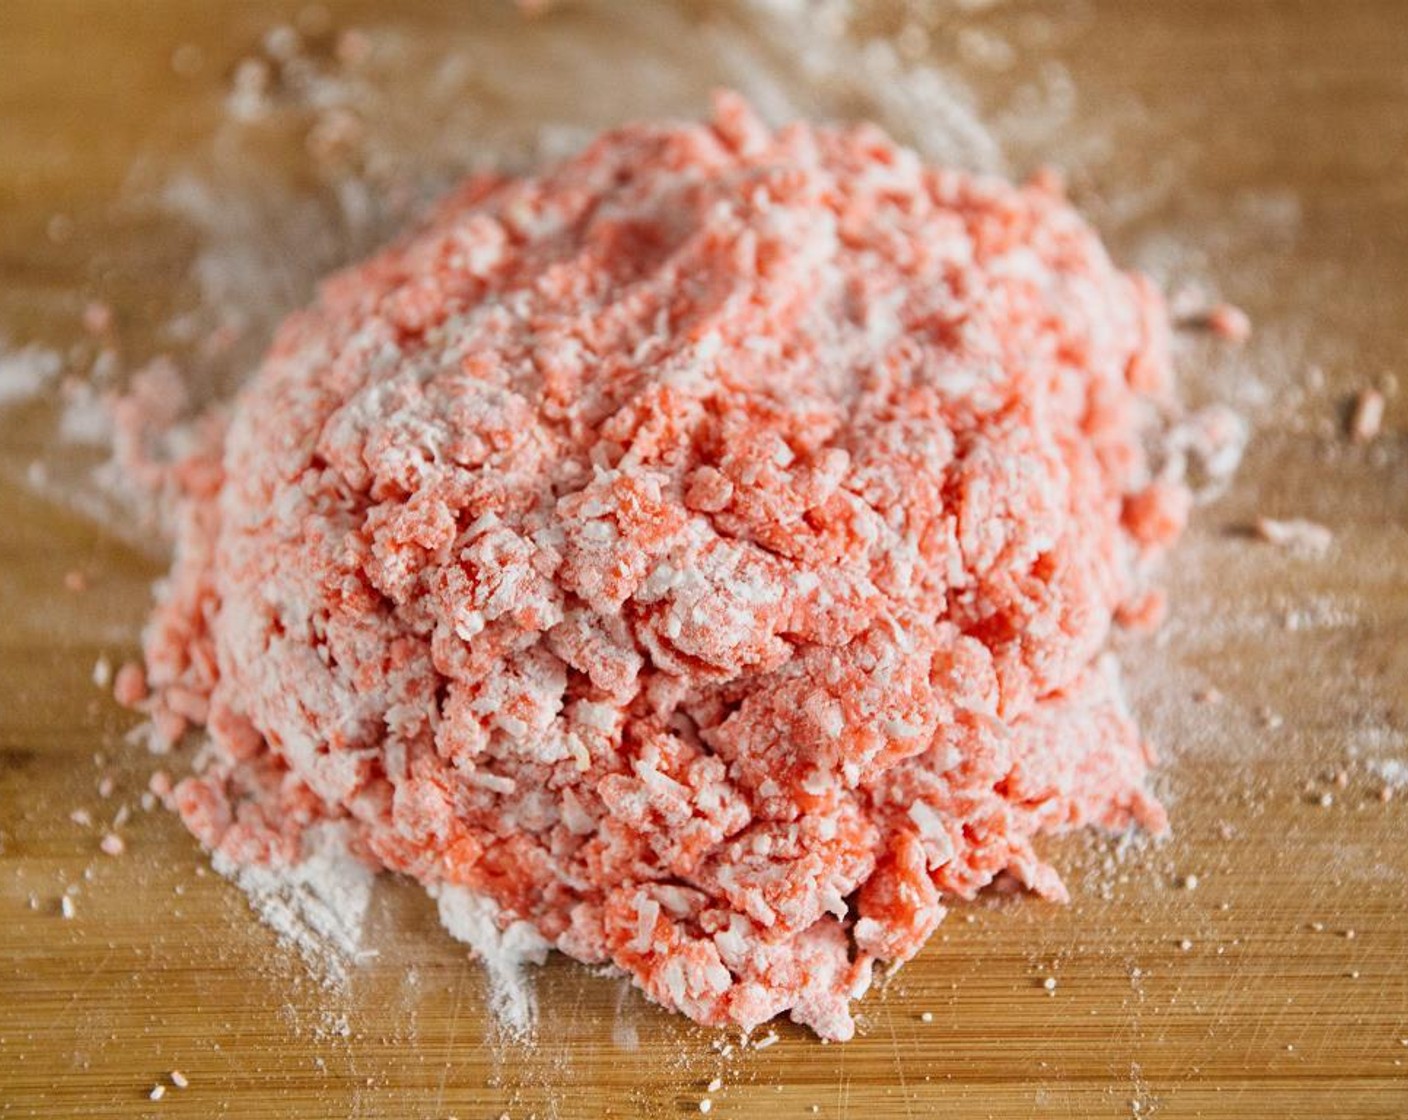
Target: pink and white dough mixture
702, 550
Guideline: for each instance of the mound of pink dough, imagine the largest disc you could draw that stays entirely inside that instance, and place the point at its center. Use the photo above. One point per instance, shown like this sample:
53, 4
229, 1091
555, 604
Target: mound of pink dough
702, 549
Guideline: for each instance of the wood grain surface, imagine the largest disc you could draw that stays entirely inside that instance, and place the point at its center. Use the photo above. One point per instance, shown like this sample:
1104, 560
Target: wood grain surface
1272, 137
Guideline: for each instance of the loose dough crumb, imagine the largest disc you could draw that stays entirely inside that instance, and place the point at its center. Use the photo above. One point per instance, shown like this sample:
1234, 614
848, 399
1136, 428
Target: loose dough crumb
1367, 419
1230, 322
703, 550
130, 685
1296, 534
97, 318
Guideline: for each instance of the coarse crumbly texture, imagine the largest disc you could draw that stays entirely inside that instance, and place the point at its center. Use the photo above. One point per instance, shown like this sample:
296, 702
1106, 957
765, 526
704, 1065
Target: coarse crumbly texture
701, 550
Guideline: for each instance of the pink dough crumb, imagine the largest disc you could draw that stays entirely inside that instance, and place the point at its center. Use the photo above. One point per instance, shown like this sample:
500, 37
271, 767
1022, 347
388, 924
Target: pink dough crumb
1296, 534
130, 685
702, 550
1367, 419
1146, 612
1230, 322
97, 318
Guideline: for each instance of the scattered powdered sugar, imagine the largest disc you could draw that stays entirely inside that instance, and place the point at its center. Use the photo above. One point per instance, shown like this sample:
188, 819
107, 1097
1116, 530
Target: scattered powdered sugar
86, 420
25, 373
318, 904
624, 1035
505, 953
1393, 771
1204, 450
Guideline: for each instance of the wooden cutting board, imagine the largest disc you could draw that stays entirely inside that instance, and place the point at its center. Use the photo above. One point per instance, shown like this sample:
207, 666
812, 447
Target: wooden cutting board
1277, 987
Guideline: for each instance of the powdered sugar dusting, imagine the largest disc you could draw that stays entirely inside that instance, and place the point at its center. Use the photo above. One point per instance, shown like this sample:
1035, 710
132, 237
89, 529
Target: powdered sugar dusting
1393, 772
506, 948
317, 903
25, 373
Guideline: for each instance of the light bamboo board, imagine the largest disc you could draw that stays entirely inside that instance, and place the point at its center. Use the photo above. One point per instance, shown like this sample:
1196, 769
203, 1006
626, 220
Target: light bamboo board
1262, 1015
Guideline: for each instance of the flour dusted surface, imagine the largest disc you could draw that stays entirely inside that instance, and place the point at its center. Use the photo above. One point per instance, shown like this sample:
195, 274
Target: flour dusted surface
504, 945
700, 551
317, 901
